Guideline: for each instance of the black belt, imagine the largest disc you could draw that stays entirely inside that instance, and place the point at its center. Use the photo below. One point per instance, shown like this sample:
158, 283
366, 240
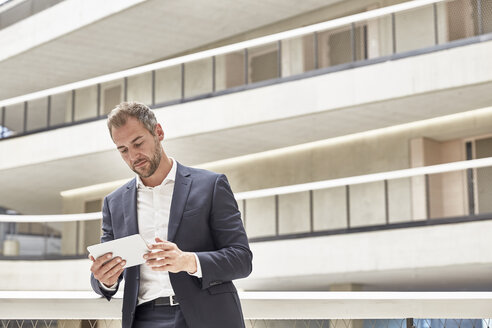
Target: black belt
161, 301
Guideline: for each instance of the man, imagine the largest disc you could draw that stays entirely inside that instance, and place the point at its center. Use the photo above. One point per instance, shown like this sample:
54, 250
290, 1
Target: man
190, 220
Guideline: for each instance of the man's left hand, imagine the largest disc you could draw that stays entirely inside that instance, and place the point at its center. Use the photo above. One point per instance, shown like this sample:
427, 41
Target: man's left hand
166, 256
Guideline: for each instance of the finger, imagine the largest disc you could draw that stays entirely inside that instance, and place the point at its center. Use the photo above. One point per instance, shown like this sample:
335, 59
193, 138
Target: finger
104, 258
105, 267
164, 246
116, 269
157, 255
159, 240
159, 262
113, 277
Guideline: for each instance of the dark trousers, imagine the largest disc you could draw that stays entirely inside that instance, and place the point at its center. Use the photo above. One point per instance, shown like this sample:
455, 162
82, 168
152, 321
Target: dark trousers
150, 316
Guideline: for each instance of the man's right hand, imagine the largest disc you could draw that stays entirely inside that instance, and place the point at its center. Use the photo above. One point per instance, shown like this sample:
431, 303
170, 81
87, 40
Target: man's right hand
107, 271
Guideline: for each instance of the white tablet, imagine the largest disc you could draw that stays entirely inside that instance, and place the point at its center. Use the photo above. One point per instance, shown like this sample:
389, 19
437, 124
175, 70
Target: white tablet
131, 249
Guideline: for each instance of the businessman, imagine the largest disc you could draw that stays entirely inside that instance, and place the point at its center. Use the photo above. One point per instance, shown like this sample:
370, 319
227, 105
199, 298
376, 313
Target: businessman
190, 220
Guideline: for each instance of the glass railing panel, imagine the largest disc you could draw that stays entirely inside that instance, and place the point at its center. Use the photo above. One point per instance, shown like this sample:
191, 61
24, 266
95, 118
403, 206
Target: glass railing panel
335, 47
367, 204
399, 200
37, 114
373, 38
414, 29
263, 63
112, 93
330, 209
140, 88
298, 55
15, 14
229, 70
293, 213
36, 239
198, 77
14, 119
61, 108
70, 241
23, 10
168, 84
380, 37
260, 217
453, 192
85, 103
461, 19
484, 190
486, 16
483, 177
441, 23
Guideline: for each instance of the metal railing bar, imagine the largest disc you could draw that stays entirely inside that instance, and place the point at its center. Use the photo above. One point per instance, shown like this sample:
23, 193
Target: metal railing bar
277, 216
125, 88
393, 32
352, 42
436, 27
479, 17
73, 106
246, 67
24, 123
51, 218
98, 100
279, 58
427, 197
213, 74
311, 211
182, 81
153, 88
347, 204
48, 112
2, 120
386, 202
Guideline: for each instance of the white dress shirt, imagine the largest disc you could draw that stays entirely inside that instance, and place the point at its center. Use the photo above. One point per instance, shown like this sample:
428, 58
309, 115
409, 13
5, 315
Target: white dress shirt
153, 209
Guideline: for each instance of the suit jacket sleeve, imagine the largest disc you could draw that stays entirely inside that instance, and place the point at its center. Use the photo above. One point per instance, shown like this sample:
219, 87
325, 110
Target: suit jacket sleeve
233, 258
107, 229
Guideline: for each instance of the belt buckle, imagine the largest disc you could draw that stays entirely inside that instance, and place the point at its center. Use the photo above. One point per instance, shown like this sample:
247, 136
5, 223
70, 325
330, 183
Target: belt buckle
172, 302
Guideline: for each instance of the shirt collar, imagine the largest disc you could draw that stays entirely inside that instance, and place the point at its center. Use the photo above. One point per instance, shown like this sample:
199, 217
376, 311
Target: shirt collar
171, 176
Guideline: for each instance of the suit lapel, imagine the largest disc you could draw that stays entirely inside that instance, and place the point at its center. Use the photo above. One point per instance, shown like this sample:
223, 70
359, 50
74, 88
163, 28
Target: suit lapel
130, 208
181, 191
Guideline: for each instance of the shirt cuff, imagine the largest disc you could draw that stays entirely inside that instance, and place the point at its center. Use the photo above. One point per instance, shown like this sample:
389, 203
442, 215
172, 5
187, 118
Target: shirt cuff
198, 272
108, 289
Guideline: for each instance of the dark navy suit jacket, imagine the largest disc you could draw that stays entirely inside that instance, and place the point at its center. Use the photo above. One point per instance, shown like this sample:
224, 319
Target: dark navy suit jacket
204, 219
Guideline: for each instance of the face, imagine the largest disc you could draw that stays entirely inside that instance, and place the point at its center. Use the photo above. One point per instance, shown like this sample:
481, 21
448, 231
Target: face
138, 147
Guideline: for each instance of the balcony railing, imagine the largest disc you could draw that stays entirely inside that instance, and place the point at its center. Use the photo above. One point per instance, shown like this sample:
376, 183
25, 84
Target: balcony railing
361, 39
20, 10
269, 309
388, 200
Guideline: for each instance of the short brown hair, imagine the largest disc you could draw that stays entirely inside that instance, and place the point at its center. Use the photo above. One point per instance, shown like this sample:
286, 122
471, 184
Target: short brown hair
119, 115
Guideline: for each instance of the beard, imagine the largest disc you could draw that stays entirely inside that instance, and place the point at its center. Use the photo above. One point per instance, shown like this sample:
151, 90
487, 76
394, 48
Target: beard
154, 162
